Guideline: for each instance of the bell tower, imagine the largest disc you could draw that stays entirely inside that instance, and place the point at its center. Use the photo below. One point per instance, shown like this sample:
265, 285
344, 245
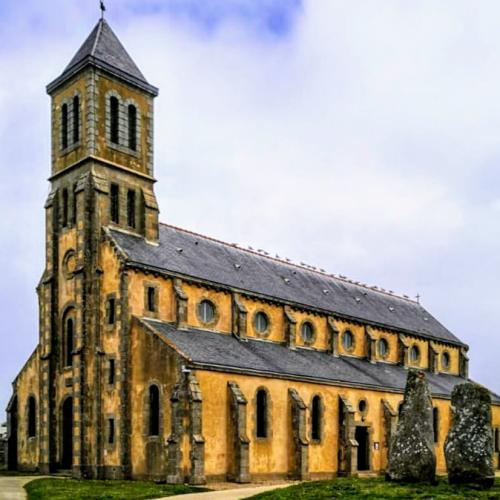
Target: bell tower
102, 126
101, 176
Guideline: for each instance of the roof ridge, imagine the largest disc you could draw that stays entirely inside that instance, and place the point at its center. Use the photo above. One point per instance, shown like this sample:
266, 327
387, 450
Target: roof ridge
293, 264
98, 35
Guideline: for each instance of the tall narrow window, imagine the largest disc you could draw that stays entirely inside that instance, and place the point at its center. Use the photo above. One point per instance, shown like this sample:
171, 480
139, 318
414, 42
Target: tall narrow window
76, 119
154, 410
64, 126
113, 119
497, 441
435, 424
111, 311
111, 430
316, 418
74, 212
114, 206
69, 337
31, 417
131, 208
151, 298
132, 127
111, 372
65, 206
261, 413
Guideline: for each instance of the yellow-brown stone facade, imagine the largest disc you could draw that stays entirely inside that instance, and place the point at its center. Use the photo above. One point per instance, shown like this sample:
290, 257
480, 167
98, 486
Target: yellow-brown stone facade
109, 394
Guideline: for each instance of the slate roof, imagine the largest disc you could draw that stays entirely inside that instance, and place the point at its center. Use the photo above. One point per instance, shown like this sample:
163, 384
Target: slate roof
103, 49
190, 254
226, 353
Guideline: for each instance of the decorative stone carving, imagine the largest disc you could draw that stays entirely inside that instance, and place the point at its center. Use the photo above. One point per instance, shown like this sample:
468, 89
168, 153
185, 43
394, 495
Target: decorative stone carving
348, 446
469, 445
290, 328
181, 303
403, 348
174, 452
186, 400
239, 318
371, 345
333, 337
433, 358
390, 424
411, 455
464, 363
197, 441
299, 433
241, 444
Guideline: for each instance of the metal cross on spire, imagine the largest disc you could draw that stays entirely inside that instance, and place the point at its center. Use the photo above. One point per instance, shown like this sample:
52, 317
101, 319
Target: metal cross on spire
103, 9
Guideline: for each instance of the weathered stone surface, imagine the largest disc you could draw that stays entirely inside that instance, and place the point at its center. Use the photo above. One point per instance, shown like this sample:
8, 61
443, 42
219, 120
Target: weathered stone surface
469, 445
411, 454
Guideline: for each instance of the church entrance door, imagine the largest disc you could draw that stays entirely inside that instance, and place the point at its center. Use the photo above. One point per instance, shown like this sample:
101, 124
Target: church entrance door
67, 434
361, 437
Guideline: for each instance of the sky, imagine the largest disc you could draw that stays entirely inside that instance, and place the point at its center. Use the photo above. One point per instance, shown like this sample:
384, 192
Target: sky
360, 136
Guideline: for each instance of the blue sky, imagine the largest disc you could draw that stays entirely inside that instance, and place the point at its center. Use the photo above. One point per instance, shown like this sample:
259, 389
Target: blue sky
359, 136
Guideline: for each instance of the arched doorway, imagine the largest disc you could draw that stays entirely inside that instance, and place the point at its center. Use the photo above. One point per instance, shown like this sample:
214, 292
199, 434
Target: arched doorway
12, 435
67, 434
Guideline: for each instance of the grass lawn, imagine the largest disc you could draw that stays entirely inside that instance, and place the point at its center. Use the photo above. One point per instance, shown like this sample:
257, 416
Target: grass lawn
377, 489
65, 489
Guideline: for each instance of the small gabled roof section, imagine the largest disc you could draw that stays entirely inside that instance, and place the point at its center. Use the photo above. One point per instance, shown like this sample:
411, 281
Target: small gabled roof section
103, 49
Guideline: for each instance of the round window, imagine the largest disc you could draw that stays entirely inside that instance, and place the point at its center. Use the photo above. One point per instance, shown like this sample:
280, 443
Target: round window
362, 406
383, 348
261, 322
414, 354
69, 263
307, 332
206, 311
445, 360
348, 340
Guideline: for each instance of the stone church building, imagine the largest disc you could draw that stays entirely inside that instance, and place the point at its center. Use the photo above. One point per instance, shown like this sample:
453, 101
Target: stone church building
166, 354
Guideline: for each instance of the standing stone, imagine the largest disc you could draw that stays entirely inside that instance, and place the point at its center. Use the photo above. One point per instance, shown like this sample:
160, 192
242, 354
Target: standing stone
411, 455
469, 445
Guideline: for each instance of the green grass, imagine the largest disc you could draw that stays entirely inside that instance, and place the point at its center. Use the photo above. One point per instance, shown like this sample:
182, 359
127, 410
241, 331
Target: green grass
377, 489
64, 489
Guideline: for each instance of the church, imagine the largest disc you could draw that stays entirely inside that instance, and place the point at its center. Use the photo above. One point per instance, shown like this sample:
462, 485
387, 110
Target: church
168, 355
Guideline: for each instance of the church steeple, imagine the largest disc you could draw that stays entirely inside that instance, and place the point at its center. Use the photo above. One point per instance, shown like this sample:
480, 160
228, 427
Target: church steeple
102, 125
102, 49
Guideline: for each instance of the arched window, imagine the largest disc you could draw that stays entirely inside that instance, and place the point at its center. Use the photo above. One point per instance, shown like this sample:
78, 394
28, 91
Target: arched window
76, 119
445, 361
113, 119
132, 127
65, 207
435, 423
131, 208
69, 342
307, 332
75, 205
262, 413
64, 126
414, 354
154, 410
316, 418
114, 203
348, 340
383, 348
31, 417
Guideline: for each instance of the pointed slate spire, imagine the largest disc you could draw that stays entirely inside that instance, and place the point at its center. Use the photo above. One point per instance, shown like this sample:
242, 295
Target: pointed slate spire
103, 49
